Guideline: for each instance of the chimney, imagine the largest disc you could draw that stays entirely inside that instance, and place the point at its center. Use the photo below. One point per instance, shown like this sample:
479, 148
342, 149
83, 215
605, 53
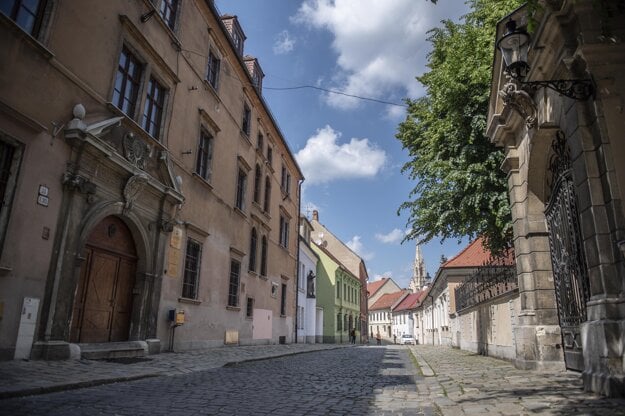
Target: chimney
315, 215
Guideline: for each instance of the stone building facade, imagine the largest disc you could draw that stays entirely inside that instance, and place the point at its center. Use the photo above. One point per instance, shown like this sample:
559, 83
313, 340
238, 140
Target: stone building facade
144, 173
565, 161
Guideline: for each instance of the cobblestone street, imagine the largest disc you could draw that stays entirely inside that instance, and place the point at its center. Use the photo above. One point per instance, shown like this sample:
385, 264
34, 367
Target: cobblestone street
393, 380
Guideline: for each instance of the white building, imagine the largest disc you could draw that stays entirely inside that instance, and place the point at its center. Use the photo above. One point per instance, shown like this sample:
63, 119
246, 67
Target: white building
309, 317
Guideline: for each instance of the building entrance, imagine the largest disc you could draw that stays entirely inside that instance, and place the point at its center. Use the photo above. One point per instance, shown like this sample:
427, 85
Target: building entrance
103, 303
567, 255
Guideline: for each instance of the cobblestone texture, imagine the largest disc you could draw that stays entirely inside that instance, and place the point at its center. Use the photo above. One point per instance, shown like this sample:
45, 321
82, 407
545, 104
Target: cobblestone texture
345, 381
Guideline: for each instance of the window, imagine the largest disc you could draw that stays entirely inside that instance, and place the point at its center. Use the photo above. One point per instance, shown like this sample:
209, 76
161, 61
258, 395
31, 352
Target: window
168, 12
260, 142
257, 180
240, 197
269, 155
263, 256
300, 317
339, 322
10, 161
233, 289
253, 244
204, 156
212, 74
247, 120
283, 300
153, 110
345, 326
338, 290
127, 83
237, 39
249, 308
284, 231
191, 269
267, 194
27, 14
286, 181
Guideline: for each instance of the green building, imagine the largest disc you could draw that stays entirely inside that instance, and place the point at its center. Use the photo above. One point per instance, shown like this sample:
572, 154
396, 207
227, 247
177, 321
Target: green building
338, 293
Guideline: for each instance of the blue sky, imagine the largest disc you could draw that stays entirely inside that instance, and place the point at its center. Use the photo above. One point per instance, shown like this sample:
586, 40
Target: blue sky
345, 146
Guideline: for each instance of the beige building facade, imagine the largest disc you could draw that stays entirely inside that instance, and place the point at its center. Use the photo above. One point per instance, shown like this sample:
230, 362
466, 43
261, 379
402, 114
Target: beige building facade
565, 160
144, 174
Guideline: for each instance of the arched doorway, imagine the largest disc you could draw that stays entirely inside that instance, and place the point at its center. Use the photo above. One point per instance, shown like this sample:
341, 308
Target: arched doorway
103, 301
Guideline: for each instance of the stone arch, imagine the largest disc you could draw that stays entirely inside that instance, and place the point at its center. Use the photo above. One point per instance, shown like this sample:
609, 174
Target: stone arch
144, 273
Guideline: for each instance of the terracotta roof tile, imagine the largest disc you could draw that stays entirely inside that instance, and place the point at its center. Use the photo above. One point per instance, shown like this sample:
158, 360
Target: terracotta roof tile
474, 255
387, 300
409, 302
375, 286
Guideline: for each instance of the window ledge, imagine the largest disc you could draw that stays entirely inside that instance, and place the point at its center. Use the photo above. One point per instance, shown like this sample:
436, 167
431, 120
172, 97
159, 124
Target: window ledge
252, 273
233, 308
17, 29
246, 138
240, 212
202, 180
265, 278
213, 90
189, 301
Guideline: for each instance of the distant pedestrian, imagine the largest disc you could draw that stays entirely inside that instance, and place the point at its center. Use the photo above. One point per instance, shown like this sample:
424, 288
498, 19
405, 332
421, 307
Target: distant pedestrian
352, 336
377, 339
394, 339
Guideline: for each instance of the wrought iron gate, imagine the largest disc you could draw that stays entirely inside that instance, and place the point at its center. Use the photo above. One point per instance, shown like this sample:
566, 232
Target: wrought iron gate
567, 255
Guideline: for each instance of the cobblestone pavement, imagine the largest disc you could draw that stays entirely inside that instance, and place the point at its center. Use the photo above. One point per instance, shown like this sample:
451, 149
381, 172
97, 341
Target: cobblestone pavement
371, 380
462, 383
19, 378
346, 381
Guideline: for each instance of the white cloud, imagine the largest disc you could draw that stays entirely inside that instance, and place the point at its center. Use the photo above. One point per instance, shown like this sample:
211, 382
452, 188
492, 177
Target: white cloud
357, 247
323, 159
284, 43
381, 45
392, 237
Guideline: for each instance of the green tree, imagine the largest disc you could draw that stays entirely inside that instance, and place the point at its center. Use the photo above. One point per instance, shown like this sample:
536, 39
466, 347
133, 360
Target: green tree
460, 189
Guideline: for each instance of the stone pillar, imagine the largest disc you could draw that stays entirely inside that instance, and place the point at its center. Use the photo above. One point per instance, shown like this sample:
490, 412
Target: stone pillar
537, 332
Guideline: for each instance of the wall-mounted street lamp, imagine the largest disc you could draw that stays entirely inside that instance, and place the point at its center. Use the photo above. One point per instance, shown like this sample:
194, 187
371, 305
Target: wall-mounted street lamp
514, 45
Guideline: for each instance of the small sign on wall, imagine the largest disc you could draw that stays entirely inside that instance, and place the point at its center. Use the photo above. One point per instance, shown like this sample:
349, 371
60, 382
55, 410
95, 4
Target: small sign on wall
42, 197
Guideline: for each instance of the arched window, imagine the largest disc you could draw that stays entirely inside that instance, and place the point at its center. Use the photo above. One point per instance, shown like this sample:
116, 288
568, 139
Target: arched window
263, 256
257, 179
267, 194
253, 243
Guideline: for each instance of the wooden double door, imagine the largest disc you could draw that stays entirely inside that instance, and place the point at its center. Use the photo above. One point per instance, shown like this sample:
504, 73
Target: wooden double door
103, 304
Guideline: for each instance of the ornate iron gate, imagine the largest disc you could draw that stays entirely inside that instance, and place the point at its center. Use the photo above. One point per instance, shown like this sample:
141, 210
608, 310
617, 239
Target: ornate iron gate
567, 254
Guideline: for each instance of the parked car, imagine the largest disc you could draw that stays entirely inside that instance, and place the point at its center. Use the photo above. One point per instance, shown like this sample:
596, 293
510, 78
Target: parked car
407, 339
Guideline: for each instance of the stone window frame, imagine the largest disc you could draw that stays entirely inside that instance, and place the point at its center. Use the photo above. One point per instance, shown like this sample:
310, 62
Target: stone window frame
173, 7
13, 171
213, 69
190, 274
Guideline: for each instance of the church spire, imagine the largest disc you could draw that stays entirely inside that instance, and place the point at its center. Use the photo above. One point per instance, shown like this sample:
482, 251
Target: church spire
418, 272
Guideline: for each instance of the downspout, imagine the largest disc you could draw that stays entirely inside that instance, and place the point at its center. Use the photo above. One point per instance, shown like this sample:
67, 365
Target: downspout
299, 215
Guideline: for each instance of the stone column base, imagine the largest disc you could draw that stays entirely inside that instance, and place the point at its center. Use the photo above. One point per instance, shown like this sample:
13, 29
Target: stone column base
55, 350
539, 347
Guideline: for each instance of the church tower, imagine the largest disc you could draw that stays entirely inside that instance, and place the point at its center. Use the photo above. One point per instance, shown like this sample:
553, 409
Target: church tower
418, 279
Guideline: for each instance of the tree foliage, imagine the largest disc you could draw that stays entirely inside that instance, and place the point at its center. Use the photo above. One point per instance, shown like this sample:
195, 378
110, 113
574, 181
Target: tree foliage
460, 189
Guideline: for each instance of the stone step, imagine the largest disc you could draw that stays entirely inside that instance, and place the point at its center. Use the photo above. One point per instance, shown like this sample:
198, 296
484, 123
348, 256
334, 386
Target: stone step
107, 350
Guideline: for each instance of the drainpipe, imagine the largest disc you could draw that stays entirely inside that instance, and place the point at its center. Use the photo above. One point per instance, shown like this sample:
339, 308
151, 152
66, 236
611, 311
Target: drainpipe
299, 214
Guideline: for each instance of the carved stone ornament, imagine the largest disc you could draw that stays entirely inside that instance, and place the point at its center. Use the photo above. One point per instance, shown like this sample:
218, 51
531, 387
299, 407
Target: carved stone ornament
521, 102
78, 183
135, 150
132, 189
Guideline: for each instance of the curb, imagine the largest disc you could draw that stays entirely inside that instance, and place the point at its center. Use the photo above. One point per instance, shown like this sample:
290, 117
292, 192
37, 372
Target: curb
71, 386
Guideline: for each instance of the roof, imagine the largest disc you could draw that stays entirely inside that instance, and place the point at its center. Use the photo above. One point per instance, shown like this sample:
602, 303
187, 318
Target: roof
335, 260
387, 300
474, 255
375, 286
409, 302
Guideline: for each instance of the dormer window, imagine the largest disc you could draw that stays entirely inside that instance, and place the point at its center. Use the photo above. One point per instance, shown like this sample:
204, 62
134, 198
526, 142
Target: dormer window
235, 31
255, 71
